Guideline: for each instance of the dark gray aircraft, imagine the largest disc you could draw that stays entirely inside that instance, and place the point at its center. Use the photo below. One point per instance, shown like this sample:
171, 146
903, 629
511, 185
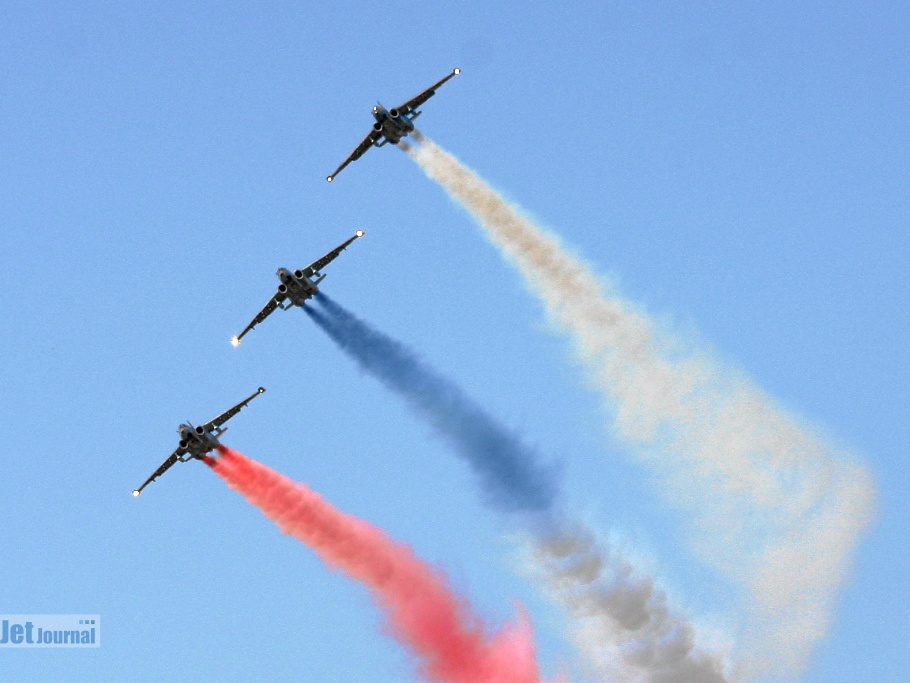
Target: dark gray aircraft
296, 286
392, 124
195, 442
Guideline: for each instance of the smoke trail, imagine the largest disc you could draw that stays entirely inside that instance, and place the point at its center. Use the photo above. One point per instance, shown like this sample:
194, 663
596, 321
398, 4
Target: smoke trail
774, 507
422, 611
510, 473
652, 645
622, 621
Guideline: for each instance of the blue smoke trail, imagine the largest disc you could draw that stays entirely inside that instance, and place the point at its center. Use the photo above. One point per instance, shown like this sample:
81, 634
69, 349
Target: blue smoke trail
627, 617
511, 474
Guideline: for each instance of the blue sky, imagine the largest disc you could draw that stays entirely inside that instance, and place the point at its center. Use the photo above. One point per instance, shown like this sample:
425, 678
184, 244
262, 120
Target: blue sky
740, 171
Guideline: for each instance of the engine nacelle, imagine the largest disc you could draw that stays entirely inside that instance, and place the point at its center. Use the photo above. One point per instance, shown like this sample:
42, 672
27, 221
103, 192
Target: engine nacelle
399, 126
183, 443
200, 430
377, 127
283, 288
298, 274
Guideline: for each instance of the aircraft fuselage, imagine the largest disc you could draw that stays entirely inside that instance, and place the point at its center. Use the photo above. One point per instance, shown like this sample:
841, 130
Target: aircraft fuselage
390, 125
196, 441
296, 286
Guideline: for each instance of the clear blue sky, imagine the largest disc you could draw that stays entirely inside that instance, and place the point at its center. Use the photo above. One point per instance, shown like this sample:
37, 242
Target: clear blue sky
739, 168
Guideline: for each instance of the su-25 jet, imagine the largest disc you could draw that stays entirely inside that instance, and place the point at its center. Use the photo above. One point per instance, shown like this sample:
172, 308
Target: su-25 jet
296, 286
392, 124
195, 442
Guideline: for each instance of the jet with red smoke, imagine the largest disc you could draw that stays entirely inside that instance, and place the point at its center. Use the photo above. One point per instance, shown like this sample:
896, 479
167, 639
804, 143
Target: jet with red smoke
196, 441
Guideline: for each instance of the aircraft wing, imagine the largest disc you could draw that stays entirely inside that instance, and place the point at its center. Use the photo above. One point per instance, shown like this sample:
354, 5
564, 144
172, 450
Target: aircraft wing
321, 263
172, 458
266, 311
358, 152
415, 102
230, 412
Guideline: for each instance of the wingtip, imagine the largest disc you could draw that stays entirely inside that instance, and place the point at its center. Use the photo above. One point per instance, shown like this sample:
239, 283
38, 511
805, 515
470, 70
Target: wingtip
261, 390
329, 178
359, 233
136, 492
456, 71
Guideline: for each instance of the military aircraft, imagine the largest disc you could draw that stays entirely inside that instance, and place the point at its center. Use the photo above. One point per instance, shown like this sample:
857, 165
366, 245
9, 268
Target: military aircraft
392, 124
195, 442
296, 286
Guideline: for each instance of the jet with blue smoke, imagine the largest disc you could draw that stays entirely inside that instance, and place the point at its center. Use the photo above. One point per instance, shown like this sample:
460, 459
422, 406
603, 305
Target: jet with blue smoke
512, 476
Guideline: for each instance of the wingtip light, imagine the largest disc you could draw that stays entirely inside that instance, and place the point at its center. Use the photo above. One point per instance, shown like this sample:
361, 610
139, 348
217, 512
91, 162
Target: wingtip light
136, 492
329, 178
235, 341
456, 71
359, 233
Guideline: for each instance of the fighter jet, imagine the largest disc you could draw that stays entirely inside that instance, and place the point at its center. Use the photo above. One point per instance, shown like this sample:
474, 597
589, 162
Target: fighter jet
195, 442
296, 286
392, 124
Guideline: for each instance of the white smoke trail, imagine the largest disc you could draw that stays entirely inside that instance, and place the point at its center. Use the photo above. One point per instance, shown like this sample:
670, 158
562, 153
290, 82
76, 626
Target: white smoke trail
774, 507
623, 622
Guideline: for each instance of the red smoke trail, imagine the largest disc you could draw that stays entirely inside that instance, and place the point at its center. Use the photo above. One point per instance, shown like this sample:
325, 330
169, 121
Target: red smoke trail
422, 611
